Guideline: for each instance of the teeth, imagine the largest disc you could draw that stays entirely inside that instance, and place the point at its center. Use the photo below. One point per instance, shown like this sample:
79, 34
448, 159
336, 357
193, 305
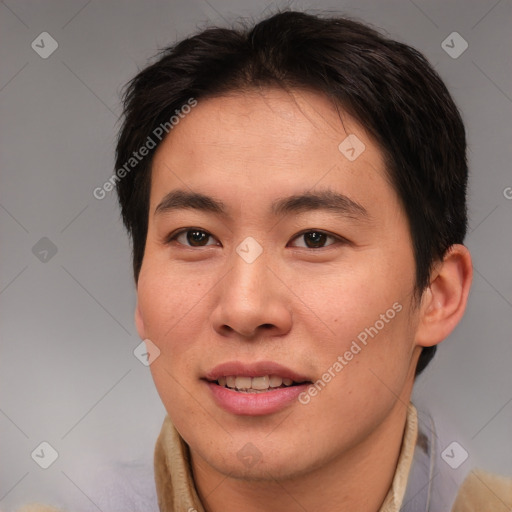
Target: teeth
275, 381
261, 383
243, 382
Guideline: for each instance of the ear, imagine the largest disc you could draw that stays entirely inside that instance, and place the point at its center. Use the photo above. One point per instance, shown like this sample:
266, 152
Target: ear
139, 322
443, 303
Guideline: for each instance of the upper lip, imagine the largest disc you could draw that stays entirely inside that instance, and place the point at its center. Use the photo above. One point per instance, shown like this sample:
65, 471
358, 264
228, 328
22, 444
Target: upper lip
253, 369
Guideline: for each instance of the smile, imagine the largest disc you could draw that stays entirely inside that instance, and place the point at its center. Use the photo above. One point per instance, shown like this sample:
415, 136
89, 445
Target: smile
260, 384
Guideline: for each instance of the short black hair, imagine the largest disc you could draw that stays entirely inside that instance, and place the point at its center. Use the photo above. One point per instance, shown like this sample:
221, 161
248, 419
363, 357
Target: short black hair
387, 86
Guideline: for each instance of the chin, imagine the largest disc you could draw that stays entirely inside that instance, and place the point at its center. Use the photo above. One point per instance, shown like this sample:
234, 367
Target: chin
267, 469
283, 458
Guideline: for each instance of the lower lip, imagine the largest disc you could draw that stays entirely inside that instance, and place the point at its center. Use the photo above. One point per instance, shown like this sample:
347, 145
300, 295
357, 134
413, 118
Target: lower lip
255, 404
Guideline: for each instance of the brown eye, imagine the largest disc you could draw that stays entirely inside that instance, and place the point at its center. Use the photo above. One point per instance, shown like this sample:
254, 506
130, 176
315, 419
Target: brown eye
314, 239
197, 238
193, 238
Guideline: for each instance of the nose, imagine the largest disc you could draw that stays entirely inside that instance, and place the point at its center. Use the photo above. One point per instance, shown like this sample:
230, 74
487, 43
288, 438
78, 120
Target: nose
252, 302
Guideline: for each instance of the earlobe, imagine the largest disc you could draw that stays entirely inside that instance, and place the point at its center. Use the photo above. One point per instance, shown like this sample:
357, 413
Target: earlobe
139, 322
444, 302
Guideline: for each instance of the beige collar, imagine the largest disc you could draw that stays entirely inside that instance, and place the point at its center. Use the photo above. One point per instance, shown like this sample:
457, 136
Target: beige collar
175, 484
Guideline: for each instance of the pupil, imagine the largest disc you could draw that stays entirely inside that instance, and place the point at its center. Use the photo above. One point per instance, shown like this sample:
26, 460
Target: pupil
196, 237
316, 238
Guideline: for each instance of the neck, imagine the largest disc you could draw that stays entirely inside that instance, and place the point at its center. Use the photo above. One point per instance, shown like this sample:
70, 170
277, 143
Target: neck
358, 479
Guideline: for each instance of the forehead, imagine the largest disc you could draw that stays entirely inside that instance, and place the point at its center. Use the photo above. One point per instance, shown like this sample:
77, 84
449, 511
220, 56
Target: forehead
281, 120
270, 141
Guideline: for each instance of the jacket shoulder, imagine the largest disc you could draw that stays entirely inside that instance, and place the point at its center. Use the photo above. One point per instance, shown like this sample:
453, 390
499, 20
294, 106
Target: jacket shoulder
482, 491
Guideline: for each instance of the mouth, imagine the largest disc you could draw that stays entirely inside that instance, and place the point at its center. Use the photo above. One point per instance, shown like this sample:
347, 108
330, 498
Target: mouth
255, 389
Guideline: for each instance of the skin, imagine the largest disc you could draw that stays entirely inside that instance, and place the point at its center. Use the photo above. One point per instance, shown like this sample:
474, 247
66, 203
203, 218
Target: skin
298, 303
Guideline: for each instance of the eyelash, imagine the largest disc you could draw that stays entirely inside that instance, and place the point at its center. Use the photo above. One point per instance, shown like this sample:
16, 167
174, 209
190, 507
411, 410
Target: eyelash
173, 236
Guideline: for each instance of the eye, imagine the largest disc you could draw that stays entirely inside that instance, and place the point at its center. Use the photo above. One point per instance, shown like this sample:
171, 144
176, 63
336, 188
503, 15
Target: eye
315, 239
192, 237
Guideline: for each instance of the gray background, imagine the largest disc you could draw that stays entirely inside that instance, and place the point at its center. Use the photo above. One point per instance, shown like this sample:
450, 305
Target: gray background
68, 373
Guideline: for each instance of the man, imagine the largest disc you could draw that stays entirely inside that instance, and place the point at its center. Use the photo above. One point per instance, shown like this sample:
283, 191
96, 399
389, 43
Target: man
296, 197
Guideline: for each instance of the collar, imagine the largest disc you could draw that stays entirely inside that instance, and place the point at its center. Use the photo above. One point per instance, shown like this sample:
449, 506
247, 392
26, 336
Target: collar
176, 489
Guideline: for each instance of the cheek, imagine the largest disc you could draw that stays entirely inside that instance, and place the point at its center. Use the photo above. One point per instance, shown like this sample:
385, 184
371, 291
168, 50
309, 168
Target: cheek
348, 301
167, 300
361, 331
174, 306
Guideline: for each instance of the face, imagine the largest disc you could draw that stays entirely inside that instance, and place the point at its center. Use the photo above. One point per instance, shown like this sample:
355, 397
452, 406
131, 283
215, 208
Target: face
275, 256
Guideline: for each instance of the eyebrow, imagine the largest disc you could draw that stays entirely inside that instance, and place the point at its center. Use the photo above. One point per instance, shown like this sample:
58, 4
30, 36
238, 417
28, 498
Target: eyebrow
327, 200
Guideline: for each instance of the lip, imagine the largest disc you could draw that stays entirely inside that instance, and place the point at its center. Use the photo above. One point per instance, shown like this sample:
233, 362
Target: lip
254, 404
254, 369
